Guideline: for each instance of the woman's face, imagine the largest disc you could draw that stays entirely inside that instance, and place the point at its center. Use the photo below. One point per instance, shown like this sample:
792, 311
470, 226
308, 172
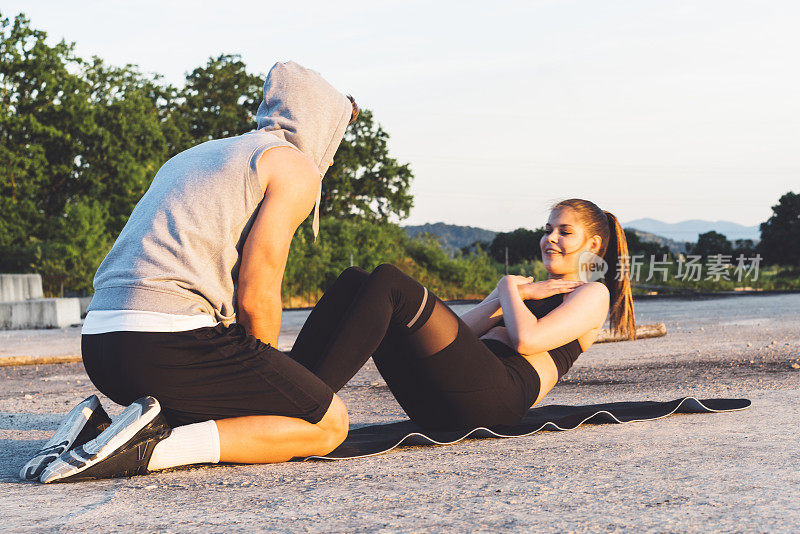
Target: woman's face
564, 241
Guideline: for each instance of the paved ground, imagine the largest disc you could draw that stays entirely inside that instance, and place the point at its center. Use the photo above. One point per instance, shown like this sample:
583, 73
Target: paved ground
720, 472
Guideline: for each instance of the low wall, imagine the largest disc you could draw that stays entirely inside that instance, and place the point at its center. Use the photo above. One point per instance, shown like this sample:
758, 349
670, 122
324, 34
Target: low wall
39, 313
17, 287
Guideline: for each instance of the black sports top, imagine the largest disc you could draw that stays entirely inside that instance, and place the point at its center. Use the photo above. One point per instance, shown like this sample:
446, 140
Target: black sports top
565, 355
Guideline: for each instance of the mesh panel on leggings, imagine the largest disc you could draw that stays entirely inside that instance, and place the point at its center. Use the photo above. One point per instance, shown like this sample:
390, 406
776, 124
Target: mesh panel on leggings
437, 333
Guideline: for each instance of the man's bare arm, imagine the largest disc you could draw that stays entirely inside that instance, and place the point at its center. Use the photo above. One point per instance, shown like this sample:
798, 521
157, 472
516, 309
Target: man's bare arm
292, 184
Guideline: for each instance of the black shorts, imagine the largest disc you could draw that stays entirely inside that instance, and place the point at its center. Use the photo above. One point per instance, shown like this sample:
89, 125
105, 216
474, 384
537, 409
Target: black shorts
207, 373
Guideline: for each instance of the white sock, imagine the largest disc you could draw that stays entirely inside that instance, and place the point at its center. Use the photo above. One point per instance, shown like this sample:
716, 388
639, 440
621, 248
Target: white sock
197, 443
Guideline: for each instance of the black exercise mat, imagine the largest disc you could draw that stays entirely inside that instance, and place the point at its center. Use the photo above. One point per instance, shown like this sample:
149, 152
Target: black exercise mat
377, 439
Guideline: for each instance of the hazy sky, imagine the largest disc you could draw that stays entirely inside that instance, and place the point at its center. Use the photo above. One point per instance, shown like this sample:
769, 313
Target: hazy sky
667, 109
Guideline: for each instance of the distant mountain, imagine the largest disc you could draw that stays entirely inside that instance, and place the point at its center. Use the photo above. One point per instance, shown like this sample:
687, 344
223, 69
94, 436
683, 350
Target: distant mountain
691, 229
452, 236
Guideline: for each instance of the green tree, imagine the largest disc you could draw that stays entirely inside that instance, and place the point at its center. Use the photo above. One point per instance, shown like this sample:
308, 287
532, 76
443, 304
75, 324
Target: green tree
710, 243
523, 245
312, 267
77, 243
126, 144
42, 112
80, 144
364, 180
780, 234
746, 247
218, 100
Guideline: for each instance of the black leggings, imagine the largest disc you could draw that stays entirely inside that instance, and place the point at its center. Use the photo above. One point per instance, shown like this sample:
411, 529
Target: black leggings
443, 376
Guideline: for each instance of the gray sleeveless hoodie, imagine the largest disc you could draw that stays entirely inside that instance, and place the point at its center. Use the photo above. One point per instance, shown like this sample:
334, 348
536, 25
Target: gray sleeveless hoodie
180, 251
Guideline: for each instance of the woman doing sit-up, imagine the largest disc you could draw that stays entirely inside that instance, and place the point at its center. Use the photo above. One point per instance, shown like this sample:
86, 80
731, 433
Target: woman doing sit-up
492, 364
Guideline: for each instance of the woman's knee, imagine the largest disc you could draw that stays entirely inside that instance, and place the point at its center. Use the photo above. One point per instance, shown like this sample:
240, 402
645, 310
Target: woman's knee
334, 424
350, 280
389, 277
386, 271
354, 273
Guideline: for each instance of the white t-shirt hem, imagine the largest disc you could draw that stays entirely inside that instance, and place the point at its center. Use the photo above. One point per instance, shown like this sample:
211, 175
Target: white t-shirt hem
104, 321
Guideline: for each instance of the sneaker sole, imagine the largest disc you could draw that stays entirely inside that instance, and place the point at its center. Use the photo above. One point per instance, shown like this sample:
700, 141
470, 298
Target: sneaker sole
129, 423
79, 426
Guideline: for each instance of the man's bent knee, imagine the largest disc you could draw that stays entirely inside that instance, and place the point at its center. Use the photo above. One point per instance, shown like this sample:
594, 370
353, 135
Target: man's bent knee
335, 424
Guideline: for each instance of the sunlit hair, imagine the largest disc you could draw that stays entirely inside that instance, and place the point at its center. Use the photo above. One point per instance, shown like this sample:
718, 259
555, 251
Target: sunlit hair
355, 112
614, 250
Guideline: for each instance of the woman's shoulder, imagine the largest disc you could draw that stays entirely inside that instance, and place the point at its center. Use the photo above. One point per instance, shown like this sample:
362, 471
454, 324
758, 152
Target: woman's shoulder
590, 290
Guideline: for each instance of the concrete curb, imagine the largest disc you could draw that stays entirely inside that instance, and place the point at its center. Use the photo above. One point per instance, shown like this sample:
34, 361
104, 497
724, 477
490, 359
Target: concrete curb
8, 361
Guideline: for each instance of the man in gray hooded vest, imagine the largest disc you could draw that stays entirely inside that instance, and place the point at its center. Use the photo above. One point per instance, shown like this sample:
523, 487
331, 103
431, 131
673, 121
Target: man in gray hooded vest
187, 305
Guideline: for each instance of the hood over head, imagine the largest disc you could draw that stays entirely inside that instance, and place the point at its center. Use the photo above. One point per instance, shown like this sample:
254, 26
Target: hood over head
305, 110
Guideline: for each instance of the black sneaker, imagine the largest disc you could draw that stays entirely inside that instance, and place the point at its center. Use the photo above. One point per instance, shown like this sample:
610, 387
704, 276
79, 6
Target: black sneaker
122, 450
82, 424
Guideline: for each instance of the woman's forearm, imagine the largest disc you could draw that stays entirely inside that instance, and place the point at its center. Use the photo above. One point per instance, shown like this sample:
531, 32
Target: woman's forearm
518, 318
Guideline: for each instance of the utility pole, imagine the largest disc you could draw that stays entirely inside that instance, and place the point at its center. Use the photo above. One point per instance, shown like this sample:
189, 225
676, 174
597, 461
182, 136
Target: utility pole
506, 260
